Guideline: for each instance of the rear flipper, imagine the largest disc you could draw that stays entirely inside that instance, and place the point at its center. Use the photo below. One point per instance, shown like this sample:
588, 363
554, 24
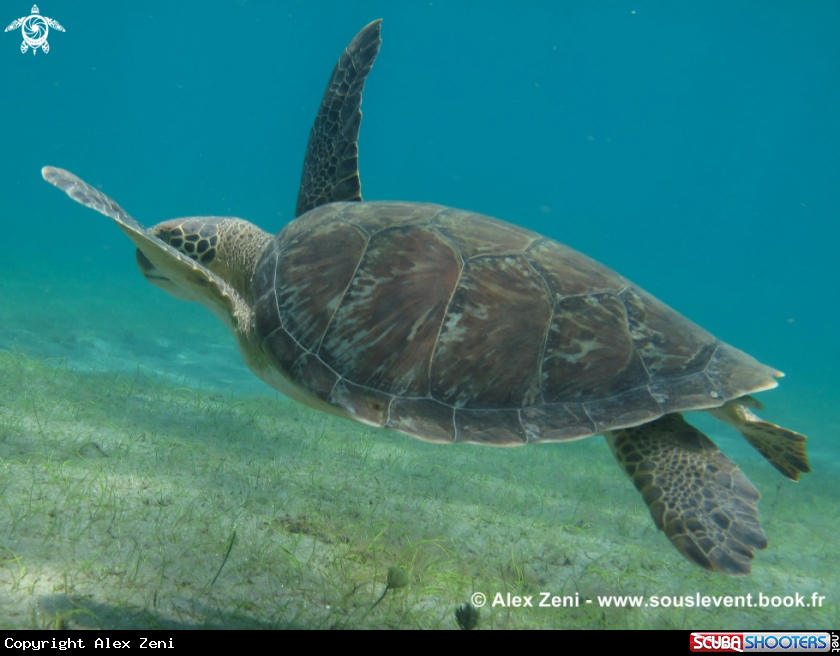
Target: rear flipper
783, 448
698, 496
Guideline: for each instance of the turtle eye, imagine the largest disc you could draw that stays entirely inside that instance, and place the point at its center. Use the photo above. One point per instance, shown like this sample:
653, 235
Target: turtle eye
167, 236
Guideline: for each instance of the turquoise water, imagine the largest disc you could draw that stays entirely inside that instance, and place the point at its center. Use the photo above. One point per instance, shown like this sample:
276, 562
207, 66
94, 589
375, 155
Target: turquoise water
691, 147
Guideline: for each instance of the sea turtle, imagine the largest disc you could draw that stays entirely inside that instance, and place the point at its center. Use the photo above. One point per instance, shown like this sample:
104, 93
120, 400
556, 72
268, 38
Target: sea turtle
35, 29
451, 326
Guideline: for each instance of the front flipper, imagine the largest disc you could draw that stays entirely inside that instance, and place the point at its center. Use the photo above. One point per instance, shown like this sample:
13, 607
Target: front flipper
783, 448
331, 165
698, 496
193, 280
15, 24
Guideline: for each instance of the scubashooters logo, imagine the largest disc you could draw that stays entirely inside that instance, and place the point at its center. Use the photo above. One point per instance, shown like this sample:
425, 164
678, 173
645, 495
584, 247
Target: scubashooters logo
792, 641
35, 29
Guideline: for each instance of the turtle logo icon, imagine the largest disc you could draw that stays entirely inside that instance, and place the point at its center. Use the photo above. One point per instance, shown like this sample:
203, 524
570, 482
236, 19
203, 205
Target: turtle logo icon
35, 29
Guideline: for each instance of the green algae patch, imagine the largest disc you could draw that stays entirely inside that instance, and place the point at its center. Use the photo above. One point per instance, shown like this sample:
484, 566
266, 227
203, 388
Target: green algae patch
129, 501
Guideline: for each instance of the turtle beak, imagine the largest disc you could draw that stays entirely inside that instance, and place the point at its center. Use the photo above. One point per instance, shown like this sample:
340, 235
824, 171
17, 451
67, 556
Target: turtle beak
155, 276
146, 267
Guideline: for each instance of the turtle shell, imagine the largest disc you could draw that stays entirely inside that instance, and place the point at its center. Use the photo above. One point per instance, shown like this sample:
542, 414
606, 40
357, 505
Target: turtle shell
454, 326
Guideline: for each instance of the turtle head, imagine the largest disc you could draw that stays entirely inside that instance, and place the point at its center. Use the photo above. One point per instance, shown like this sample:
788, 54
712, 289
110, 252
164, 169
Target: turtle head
228, 247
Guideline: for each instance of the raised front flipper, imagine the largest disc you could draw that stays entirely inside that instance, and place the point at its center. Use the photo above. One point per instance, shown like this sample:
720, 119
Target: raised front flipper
696, 495
193, 281
331, 165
